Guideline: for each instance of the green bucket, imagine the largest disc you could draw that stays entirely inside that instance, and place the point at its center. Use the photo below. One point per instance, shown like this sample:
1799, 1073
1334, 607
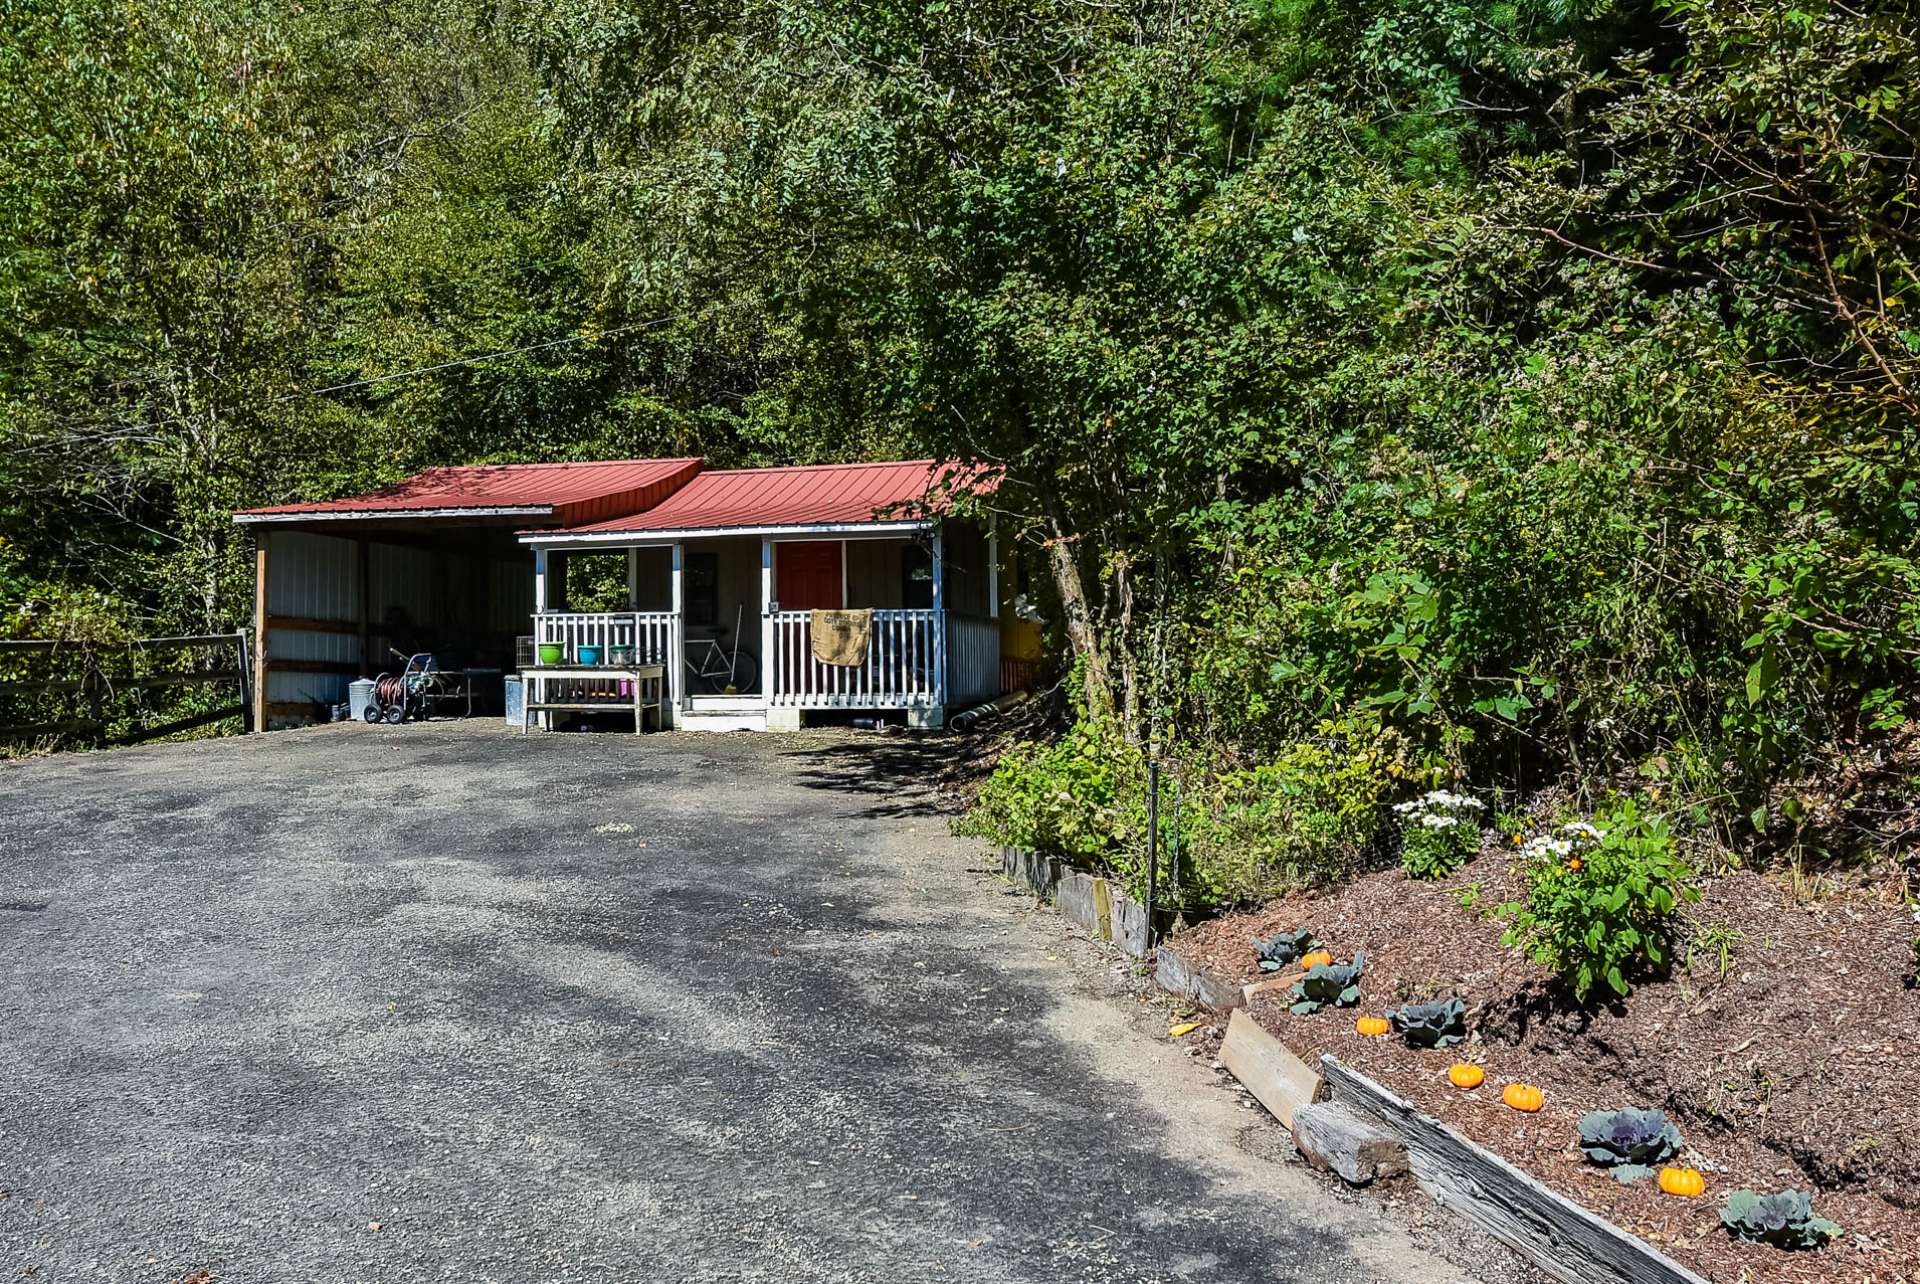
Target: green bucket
552, 653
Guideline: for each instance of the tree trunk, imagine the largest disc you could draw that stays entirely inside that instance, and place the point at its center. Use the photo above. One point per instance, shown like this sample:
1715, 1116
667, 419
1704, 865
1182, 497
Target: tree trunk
1123, 652
1081, 634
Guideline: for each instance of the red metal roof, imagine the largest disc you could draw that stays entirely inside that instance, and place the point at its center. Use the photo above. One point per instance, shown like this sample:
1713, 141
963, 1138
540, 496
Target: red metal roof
618, 496
819, 495
571, 492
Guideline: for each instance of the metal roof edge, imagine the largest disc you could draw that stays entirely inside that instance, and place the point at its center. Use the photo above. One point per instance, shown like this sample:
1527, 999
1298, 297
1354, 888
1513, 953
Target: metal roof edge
559, 538
250, 517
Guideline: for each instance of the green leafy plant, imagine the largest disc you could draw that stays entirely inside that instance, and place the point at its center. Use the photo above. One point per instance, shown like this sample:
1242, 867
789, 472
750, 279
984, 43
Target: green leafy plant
1785, 1219
1282, 949
1081, 797
1629, 1142
1717, 943
1337, 984
1440, 1024
1600, 899
1440, 831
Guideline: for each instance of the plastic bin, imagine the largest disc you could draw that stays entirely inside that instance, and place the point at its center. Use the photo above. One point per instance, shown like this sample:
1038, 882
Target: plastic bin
515, 699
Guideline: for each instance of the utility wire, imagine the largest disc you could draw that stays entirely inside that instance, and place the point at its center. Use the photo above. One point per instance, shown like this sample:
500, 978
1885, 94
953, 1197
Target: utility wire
350, 385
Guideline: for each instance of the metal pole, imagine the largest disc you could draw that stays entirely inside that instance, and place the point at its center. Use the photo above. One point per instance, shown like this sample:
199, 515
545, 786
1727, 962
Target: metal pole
1153, 841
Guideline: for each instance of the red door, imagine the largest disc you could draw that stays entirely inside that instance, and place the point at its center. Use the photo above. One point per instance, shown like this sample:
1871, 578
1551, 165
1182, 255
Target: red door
807, 576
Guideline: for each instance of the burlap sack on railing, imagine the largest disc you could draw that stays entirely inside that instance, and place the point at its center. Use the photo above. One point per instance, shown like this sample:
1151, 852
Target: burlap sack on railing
840, 637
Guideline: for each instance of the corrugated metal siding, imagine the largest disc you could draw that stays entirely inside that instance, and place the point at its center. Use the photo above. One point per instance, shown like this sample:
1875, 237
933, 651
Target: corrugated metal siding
315, 577
406, 580
510, 596
873, 573
655, 579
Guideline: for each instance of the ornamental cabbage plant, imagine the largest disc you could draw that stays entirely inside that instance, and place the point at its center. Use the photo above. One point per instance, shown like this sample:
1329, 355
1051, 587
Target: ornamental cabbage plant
1283, 948
1329, 983
1630, 1142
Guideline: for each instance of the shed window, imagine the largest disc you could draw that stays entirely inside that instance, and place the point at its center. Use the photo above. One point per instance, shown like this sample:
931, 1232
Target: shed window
700, 586
916, 577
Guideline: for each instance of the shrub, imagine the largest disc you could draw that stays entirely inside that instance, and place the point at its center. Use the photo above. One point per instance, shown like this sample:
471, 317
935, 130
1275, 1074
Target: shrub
1304, 817
1242, 834
1081, 798
1600, 899
1440, 832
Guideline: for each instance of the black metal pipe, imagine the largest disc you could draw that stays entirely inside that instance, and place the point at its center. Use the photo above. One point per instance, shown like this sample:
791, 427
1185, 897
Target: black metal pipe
1153, 843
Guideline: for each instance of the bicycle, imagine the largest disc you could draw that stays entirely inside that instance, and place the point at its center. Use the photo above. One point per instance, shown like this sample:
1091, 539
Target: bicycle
712, 670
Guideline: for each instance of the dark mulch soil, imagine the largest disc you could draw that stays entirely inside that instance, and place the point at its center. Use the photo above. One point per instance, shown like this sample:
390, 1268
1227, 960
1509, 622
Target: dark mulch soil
1800, 1067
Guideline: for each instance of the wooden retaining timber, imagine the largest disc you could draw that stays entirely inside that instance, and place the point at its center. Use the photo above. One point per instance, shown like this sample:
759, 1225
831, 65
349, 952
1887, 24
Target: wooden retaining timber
1336, 1138
1554, 1233
1344, 1122
1095, 904
1267, 1068
1177, 974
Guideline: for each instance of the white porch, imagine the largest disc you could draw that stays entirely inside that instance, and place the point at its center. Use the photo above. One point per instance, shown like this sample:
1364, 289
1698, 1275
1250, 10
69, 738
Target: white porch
922, 660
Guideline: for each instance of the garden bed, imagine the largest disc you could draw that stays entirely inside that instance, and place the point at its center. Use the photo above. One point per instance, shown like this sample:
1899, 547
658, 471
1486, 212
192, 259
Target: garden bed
1791, 1061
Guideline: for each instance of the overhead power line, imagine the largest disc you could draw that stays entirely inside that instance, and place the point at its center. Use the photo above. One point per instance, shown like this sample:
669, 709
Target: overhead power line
351, 384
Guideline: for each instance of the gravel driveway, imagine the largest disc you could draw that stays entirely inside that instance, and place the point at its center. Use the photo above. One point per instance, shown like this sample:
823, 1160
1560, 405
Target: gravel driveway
444, 1003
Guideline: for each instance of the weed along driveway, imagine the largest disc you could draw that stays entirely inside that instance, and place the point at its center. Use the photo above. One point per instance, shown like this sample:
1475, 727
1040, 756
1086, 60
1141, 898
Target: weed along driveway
437, 1002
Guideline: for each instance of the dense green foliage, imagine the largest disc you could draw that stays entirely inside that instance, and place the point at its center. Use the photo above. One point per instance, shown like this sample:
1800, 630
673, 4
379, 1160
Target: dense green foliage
1387, 396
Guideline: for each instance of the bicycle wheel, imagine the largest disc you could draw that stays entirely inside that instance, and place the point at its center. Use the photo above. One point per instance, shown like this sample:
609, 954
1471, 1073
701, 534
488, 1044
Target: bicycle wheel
746, 672
709, 676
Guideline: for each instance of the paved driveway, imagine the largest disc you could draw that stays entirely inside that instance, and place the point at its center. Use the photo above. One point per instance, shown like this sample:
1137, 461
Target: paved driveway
443, 1003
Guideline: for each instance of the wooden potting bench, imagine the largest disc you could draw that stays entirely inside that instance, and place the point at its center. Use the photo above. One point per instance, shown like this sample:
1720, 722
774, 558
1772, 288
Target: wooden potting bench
647, 683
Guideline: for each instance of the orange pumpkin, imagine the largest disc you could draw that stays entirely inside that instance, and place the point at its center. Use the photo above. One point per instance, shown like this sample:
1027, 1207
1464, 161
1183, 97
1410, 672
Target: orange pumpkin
1462, 1074
1372, 1027
1687, 1183
1523, 1096
1316, 958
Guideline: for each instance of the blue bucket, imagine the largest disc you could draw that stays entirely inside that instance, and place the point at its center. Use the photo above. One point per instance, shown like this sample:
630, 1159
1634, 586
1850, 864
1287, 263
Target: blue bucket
588, 654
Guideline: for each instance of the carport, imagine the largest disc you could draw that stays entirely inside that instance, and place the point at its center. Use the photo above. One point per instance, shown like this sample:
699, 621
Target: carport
429, 564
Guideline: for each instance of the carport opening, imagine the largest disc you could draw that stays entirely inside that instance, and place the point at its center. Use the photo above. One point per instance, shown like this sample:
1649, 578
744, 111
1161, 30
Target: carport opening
339, 600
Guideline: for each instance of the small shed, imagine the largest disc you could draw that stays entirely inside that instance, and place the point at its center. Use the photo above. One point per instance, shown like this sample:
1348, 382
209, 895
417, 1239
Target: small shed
724, 568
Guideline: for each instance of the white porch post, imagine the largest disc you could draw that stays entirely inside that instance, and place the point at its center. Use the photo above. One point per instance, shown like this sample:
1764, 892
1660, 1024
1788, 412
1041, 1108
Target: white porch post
539, 581
939, 617
677, 650
769, 678
633, 579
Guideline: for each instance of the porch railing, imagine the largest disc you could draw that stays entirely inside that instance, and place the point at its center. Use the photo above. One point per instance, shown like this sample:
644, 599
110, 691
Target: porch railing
902, 669
649, 633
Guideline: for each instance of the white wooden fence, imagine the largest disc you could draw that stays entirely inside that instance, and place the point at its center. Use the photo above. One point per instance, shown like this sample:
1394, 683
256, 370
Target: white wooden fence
902, 669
